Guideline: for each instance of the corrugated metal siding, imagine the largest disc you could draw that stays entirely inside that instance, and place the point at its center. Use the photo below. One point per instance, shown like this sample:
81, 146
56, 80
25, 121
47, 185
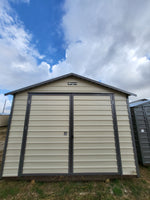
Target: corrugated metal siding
136, 135
12, 154
15, 136
95, 135
126, 147
141, 121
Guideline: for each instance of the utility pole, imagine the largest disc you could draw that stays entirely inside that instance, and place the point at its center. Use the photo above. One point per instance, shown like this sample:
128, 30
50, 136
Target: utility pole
4, 107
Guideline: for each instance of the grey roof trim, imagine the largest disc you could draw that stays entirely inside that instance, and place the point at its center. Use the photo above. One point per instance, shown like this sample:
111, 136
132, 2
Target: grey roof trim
65, 76
142, 103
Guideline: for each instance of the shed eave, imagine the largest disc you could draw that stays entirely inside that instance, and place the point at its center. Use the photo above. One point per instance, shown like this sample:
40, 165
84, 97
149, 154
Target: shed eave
66, 76
140, 104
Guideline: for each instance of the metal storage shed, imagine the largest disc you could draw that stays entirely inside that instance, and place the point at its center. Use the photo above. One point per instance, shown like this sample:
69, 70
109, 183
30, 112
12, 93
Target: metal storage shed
70, 125
140, 111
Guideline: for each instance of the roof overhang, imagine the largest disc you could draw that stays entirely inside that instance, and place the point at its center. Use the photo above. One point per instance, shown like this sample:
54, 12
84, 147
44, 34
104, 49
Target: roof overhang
66, 76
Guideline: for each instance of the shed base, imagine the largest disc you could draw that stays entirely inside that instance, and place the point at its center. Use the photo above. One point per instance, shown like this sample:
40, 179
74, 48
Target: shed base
70, 178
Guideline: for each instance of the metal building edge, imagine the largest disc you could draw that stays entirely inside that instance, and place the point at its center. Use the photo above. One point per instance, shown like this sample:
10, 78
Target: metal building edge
6, 140
133, 140
136, 135
117, 143
139, 147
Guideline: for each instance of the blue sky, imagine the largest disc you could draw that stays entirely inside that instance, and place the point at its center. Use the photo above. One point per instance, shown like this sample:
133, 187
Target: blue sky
43, 19
105, 41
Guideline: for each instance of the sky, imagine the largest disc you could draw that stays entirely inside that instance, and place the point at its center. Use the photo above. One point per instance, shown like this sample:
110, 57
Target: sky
105, 41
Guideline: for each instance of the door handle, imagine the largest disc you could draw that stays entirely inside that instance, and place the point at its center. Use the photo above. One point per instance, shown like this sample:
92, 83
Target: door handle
65, 133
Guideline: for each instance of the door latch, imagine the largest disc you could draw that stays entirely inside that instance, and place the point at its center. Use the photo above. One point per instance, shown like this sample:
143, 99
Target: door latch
65, 133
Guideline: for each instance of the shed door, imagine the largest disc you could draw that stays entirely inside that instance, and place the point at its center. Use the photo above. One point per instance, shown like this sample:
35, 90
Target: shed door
94, 142
47, 142
72, 133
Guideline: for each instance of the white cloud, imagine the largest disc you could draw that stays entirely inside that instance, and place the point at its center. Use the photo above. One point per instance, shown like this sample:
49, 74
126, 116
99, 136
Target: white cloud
18, 57
108, 42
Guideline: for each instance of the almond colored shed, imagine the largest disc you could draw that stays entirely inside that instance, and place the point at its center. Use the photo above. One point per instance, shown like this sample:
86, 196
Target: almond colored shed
70, 125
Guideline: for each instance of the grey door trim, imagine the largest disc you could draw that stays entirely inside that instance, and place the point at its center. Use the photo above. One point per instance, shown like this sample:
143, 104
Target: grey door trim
24, 138
117, 143
70, 164
7, 136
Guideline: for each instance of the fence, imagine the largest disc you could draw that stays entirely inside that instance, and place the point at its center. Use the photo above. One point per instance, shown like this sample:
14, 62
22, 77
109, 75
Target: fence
4, 120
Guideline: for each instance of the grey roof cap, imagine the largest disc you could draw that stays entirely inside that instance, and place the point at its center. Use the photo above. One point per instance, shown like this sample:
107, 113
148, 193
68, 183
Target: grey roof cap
65, 76
139, 102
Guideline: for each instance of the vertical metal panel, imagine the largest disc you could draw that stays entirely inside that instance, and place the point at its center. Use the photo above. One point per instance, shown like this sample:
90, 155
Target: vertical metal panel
140, 122
24, 135
143, 147
136, 134
7, 136
146, 113
133, 140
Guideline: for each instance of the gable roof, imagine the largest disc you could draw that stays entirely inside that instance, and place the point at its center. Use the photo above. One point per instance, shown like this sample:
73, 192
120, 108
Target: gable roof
139, 102
66, 76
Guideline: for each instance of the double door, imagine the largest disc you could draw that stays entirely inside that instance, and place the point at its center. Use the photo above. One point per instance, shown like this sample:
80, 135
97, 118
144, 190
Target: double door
70, 134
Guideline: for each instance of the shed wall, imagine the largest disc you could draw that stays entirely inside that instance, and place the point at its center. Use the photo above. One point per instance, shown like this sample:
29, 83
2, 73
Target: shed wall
18, 117
141, 124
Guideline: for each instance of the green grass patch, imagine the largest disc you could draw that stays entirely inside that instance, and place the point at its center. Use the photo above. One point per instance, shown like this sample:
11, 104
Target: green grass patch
117, 191
8, 190
40, 192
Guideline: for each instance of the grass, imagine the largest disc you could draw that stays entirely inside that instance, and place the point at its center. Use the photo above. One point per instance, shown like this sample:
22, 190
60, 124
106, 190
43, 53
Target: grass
127, 189
8, 191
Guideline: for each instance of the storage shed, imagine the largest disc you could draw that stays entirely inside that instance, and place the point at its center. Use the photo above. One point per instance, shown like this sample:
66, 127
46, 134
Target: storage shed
72, 126
140, 111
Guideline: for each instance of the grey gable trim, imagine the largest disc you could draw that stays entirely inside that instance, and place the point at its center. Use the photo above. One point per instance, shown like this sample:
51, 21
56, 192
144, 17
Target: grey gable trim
141, 104
69, 75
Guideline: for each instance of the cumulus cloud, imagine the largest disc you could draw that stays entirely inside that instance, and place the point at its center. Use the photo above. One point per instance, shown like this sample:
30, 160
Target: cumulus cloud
105, 41
21, 64
19, 58
108, 42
